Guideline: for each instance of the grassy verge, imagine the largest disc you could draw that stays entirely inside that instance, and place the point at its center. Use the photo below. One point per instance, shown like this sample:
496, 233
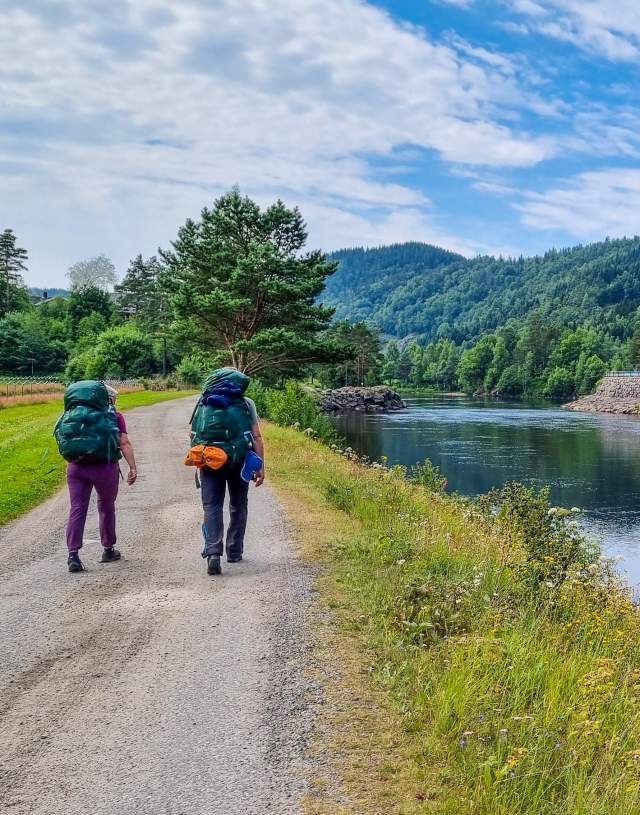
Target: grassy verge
30, 466
489, 662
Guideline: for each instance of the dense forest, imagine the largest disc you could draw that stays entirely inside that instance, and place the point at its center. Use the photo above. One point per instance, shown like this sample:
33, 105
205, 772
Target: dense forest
369, 278
410, 314
549, 325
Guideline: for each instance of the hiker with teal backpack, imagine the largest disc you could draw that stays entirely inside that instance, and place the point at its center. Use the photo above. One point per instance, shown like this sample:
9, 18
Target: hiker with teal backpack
92, 437
227, 449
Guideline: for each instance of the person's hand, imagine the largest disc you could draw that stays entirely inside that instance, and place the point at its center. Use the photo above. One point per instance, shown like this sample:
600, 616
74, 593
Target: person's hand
131, 478
259, 477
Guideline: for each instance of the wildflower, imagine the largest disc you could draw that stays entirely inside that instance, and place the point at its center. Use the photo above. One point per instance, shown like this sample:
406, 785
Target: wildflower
463, 742
401, 562
503, 731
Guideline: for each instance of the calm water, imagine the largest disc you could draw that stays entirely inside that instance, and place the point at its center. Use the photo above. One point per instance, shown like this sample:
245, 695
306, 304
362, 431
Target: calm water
590, 461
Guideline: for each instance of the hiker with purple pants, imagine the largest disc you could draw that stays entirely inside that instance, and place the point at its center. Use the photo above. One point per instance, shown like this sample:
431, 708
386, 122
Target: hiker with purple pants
82, 479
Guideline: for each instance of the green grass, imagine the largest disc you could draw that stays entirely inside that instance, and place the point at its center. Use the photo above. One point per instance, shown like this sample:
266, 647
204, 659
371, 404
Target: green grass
31, 468
516, 691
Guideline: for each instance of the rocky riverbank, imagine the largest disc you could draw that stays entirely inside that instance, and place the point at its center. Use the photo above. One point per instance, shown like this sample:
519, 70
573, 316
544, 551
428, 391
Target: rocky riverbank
361, 400
615, 394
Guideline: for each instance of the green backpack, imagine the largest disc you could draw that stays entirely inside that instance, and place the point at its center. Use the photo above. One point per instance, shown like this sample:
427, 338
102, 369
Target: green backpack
87, 431
227, 427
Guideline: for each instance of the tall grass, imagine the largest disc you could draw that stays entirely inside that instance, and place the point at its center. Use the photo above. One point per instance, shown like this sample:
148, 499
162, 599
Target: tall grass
508, 645
292, 406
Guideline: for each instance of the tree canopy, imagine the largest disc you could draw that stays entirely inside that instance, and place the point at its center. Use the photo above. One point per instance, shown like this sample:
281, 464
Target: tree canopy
98, 272
240, 285
13, 262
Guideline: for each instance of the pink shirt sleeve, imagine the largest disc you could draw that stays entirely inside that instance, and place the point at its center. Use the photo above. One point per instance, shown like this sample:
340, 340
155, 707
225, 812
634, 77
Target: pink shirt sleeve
122, 427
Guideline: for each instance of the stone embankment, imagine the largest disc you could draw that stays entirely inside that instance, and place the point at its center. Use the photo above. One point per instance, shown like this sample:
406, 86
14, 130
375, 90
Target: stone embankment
360, 400
615, 394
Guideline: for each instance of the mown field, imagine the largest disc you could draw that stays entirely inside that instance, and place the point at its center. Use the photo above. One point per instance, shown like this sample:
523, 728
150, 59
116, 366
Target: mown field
30, 466
488, 661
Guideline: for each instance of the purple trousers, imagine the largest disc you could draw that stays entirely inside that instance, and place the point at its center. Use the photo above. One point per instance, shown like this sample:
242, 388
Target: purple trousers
82, 478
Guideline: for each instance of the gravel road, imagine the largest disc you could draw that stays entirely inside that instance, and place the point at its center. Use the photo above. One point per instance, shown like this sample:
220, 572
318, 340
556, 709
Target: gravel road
146, 686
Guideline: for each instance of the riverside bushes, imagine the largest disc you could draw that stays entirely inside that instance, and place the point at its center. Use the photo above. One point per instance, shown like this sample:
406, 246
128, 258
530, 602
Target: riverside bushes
292, 406
508, 644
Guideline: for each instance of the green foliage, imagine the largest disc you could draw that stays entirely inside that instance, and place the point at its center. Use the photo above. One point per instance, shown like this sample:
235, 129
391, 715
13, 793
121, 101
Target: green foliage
439, 295
367, 279
13, 294
140, 295
191, 370
240, 284
86, 303
520, 359
363, 367
560, 384
28, 344
549, 538
475, 363
293, 406
429, 476
120, 352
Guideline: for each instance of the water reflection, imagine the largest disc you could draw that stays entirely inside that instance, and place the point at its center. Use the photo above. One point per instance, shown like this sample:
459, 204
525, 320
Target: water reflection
588, 460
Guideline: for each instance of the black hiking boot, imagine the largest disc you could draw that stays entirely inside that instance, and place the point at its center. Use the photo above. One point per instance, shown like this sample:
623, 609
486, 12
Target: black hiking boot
234, 558
74, 563
109, 555
213, 564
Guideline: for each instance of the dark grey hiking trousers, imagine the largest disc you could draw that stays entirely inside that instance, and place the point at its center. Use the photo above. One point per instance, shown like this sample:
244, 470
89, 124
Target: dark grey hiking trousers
214, 484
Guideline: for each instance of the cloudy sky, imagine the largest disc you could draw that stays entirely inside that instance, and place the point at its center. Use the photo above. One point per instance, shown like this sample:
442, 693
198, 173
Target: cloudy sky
481, 125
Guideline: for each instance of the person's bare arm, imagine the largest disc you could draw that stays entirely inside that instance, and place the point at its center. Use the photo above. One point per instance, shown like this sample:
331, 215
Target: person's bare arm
258, 445
129, 457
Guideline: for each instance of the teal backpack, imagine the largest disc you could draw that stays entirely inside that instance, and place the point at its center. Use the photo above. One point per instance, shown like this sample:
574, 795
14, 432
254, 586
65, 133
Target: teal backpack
222, 417
87, 432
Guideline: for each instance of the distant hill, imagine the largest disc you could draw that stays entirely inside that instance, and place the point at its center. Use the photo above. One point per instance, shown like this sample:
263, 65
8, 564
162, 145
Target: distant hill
422, 290
38, 292
367, 278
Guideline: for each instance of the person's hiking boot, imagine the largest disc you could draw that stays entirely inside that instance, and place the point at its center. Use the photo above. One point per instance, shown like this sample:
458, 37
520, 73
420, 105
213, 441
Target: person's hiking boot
74, 563
234, 558
213, 564
110, 555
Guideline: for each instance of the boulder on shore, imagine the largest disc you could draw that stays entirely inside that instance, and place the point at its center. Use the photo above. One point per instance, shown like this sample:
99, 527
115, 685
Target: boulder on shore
361, 400
615, 394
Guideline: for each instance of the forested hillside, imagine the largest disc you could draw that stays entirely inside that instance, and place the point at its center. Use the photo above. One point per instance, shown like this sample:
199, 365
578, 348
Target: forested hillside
416, 289
368, 278
542, 326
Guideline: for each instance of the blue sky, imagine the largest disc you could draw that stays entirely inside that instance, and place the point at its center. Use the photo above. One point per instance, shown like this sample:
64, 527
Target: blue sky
500, 126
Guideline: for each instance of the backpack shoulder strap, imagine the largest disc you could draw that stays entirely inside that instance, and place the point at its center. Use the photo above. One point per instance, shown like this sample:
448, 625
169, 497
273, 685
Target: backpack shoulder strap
197, 405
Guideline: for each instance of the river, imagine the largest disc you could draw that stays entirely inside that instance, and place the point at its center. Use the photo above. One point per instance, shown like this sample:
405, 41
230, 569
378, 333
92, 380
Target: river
591, 461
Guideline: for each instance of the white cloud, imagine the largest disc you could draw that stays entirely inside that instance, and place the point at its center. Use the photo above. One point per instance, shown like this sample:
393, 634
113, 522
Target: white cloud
607, 27
590, 206
128, 119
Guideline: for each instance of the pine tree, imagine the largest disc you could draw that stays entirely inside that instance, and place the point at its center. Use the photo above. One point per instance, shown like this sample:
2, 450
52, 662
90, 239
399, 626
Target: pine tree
140, 294
12, 264
241, 286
